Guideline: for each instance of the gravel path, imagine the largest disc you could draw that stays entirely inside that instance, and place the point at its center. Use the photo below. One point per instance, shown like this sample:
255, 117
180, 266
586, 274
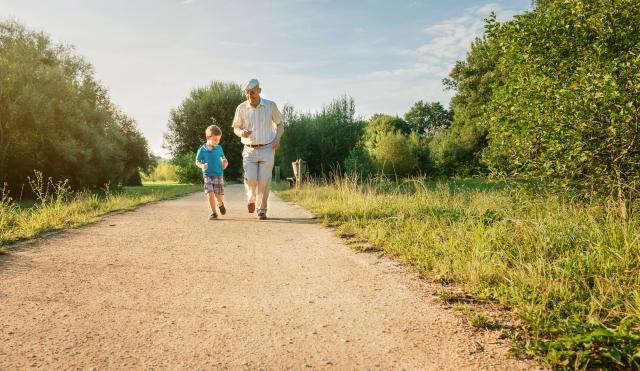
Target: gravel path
164, 288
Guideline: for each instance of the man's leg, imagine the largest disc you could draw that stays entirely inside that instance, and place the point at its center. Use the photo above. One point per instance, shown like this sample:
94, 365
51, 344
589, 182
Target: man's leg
250, 165
264, 178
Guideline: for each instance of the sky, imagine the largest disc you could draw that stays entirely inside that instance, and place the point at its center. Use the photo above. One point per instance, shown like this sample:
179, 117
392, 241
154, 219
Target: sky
149, 54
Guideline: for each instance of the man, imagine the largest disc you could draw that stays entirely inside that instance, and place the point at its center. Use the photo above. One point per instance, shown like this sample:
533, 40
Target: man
258, 123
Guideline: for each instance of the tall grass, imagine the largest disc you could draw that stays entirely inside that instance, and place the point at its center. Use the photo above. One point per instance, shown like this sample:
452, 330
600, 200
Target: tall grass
570, 271
56, 207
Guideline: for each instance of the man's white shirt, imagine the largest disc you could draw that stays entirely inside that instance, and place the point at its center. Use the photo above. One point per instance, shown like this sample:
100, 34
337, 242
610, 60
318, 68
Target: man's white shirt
262, 120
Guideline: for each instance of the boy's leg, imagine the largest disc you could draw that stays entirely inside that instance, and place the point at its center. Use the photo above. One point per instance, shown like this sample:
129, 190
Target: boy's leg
218, 190
212, 202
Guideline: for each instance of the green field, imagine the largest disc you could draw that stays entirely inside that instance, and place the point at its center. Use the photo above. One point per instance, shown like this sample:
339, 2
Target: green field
64, 209
569, 271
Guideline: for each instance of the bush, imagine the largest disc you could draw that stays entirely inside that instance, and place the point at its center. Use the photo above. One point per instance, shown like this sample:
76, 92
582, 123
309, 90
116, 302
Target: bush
186, 170
323, 139
393, 156
359, 162
569, 107
164, 171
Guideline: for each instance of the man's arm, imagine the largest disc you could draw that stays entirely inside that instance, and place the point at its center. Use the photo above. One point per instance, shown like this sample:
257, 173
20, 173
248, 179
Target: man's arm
276, 117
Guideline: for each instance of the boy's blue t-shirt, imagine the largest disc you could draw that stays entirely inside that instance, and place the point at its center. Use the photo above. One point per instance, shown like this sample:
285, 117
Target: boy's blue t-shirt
212, 157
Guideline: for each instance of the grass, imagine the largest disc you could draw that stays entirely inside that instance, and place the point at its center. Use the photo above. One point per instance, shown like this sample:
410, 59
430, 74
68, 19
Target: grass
60, 208
569, 271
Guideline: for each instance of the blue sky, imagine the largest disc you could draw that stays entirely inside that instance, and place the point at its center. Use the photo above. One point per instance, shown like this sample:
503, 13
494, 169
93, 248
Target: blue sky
149, 54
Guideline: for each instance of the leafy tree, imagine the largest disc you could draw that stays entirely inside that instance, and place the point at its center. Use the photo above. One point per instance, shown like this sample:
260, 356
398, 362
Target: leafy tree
457, 151
213, 104
55, 118
359, 162
186, 171
568, 109
393, 148
323, 139
380, 125
426, 117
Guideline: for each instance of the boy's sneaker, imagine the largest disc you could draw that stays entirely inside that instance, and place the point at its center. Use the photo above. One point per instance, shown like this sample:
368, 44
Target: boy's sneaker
223, 210
251, 206
262, 215
213, 216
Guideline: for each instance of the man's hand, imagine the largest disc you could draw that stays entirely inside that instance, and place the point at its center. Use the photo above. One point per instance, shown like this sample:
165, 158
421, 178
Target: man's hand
246, 133
275, 144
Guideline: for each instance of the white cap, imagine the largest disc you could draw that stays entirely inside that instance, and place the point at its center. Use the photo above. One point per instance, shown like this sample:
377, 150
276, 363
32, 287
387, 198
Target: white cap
250, 84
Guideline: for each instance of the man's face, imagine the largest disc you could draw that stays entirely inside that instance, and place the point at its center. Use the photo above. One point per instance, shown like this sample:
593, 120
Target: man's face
253, 95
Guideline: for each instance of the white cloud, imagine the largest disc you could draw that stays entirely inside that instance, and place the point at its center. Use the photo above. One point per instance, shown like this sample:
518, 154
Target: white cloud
447, 42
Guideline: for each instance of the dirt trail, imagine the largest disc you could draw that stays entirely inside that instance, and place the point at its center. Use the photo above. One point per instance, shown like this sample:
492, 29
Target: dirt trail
164, 288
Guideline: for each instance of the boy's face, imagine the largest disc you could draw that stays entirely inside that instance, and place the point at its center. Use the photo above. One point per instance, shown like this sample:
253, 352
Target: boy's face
213, 140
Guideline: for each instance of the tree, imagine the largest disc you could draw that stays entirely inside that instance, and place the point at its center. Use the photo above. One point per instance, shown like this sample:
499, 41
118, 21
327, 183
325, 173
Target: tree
568, 109
324, 139
214, 104
426, 117
56, 119
457, 150
393, 147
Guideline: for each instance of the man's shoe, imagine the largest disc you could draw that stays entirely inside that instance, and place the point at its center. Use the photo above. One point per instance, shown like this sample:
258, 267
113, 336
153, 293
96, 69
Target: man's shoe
213, 216
251, 206
223, 210
262, 215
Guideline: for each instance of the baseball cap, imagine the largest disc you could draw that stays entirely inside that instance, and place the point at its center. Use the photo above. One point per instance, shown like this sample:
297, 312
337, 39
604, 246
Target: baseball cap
250, 84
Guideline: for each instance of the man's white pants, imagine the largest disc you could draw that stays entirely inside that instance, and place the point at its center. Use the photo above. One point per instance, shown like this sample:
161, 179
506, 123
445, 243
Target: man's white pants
258, 165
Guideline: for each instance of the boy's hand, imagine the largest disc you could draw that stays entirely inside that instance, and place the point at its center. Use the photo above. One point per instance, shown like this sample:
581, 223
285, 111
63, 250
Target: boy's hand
225, 163
205, 166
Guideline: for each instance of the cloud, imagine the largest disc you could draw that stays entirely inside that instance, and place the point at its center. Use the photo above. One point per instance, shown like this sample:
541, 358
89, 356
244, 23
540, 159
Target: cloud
447, 42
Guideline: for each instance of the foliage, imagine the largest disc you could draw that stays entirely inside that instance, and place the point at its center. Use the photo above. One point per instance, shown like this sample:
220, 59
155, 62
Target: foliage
392, 155
57, 119
457, 151
323, 139
359, 163
185, 169
393, 148
568, 108
214, 104
425, 117
163, 171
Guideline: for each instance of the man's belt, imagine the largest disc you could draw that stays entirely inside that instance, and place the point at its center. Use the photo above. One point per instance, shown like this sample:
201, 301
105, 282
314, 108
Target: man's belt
257, 145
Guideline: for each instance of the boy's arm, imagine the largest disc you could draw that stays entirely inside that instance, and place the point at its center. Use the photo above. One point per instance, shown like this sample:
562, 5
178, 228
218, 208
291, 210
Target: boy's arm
198, 157
225, 163
238, 124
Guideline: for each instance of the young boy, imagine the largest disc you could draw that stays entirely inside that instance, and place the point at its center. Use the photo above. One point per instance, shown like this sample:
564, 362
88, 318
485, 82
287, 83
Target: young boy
210, 158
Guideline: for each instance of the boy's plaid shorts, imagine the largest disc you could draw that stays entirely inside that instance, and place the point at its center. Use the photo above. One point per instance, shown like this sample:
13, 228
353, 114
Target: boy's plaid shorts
214, 184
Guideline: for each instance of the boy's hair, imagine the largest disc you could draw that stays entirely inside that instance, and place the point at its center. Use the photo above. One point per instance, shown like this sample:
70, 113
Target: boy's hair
213, 130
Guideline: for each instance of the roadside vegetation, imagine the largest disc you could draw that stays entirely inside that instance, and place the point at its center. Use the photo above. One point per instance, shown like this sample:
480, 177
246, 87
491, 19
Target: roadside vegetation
569, 271
57, 207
